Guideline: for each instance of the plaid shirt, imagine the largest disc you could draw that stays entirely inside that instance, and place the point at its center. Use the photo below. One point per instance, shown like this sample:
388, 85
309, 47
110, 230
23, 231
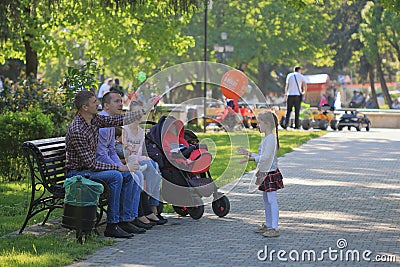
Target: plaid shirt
81, 140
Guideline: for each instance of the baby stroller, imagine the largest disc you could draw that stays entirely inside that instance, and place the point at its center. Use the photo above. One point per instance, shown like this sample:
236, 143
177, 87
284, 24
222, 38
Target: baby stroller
184, 165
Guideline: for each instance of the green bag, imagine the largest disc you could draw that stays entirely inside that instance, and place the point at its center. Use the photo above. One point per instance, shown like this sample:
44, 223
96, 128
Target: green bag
80, 191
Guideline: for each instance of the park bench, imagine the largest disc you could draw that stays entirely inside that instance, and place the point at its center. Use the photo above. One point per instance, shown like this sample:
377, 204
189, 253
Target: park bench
46, 160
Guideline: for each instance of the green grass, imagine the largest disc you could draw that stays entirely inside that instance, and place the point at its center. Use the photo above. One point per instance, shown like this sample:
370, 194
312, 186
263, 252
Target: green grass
226, 168
48, 250
13, 203
58, 249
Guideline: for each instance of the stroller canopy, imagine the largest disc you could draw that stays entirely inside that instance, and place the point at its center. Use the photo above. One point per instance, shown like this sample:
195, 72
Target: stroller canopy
168, 136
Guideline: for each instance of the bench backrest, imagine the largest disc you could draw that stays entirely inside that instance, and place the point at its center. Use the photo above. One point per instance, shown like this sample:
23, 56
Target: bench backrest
46, 160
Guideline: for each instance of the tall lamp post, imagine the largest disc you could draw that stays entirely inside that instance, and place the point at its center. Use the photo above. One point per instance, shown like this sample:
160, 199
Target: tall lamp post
223, 51
207, 5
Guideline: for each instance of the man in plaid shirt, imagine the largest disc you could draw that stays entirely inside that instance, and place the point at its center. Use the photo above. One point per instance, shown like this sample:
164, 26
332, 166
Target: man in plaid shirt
81, 146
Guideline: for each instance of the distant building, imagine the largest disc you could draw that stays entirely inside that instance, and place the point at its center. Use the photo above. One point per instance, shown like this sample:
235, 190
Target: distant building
316, 85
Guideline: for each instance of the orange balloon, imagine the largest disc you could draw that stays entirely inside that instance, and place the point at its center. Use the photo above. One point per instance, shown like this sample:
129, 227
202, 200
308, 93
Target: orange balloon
234, 84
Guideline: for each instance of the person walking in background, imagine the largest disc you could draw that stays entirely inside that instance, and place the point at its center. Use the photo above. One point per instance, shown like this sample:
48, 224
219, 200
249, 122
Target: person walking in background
116, 87
104, 88
269, 178
295, 89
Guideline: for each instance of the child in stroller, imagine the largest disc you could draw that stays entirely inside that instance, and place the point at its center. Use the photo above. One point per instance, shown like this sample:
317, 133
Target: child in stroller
184, 165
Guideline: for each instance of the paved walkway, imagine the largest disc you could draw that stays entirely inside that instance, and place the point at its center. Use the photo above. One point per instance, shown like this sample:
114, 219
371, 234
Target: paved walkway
342, 199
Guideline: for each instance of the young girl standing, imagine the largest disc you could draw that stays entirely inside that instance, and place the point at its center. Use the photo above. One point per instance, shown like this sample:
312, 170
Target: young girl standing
269, 178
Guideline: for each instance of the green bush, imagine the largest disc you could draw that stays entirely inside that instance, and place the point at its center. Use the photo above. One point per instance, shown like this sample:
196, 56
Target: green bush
22, 95
15, 128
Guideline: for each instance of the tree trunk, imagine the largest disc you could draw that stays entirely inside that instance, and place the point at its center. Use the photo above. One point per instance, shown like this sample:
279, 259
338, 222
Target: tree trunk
384, 87
31, 60
371, 76
266, 82
261, 80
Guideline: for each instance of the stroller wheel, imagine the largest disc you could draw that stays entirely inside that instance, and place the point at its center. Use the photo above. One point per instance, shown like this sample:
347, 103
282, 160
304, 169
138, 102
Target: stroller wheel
221, 206
196, 212
183, 211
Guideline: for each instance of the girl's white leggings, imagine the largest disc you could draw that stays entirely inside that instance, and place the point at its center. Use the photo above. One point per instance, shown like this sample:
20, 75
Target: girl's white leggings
271, 209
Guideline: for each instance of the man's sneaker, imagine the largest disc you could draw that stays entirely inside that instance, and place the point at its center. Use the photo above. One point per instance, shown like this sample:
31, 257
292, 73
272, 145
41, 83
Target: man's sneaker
262, 228
113, 230
271, 233
130, 228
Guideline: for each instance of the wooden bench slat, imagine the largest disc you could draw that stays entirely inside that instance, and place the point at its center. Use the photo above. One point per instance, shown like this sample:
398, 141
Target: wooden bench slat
58, 149
56, 159
54, 153
56, 172
57, 179
50, 145
48, 141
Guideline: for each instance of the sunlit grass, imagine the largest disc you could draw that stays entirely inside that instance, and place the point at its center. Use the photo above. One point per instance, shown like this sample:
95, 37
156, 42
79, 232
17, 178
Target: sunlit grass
14, 202
42, 251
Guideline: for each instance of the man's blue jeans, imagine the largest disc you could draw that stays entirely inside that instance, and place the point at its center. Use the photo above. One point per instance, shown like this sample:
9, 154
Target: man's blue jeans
121, 197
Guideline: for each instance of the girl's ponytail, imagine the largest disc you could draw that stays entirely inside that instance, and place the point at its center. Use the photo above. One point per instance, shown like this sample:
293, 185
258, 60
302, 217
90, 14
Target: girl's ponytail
276, 128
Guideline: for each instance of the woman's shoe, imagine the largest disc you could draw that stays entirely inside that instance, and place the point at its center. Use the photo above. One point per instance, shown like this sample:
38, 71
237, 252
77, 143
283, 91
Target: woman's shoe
161, 218
158, 222
143, 225
145, 220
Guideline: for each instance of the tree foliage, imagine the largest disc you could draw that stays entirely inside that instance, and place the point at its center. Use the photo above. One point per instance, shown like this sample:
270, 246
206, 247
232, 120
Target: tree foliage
36, 29
272, 36
366, 37
341, 39
379, 35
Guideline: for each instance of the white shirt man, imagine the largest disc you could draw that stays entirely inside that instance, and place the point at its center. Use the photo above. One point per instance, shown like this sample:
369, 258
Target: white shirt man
296, 87
104, 88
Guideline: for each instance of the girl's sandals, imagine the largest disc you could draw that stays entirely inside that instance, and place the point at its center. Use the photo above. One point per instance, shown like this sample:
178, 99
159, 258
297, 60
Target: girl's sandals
271, 233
